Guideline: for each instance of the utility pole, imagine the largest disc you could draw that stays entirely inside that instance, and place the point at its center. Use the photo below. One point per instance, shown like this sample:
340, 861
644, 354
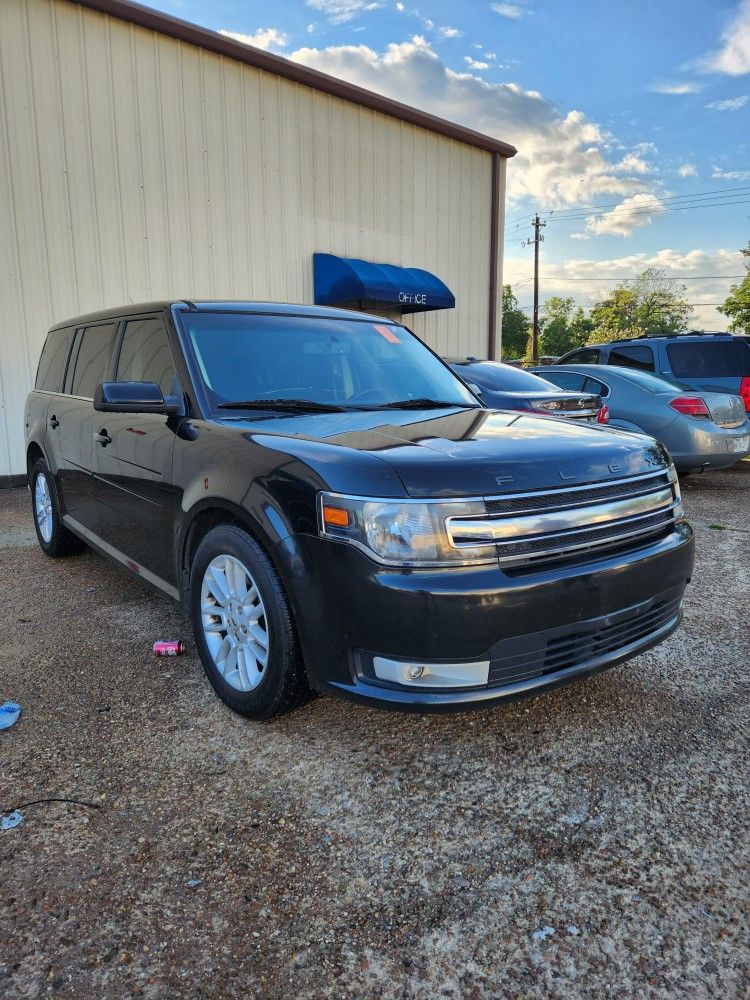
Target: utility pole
537, 224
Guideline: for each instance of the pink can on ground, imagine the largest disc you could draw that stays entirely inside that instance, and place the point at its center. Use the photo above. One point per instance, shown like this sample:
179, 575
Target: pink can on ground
168, 647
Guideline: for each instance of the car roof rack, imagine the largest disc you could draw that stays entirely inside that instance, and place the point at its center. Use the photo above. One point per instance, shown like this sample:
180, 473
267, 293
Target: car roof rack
668, 336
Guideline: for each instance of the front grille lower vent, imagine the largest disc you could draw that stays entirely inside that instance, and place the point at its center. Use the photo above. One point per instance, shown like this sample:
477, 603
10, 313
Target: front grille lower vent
539, 654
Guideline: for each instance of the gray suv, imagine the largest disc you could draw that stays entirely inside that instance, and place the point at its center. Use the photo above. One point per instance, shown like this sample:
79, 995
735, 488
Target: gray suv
718, 362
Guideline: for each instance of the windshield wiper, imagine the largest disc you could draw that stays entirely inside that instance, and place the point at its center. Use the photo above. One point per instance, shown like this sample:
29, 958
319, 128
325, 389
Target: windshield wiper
294, 405
424, 404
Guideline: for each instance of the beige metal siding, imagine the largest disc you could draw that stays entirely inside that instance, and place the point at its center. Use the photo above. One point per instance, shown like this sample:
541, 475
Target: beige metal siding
135, 167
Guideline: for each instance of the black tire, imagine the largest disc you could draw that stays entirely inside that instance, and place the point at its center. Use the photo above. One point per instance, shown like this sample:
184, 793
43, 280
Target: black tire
283, 685
62, 542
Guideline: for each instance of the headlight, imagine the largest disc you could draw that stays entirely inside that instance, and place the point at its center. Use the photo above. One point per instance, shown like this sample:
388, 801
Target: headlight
401, 532
679, 513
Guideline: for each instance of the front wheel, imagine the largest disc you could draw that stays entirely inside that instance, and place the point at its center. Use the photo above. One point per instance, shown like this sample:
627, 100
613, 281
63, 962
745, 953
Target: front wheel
54, 538
243, 626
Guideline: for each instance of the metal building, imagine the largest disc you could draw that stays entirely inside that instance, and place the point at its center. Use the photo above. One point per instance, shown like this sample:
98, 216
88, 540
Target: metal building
142, 157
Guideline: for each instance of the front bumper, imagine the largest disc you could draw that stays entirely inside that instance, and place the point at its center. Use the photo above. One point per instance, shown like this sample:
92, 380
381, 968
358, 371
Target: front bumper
539, 628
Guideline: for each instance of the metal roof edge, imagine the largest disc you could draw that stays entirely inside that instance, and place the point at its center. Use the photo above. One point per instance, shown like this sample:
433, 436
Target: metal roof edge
185, 31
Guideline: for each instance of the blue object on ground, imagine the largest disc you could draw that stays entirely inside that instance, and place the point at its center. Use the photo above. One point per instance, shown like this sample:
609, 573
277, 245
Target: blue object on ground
9, 713
12, 819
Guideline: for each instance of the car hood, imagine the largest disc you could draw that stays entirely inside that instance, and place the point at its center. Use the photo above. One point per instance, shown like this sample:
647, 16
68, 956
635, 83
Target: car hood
473, 452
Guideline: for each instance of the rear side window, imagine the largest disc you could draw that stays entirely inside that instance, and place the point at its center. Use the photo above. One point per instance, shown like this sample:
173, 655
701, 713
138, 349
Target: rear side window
566, 380
588, 356
633, 356
145, 355
498, 376
709, 359
595, 387
51, 370
94, 360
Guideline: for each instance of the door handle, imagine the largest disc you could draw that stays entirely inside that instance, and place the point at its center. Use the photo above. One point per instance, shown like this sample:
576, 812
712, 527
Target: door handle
54, 422
103, 438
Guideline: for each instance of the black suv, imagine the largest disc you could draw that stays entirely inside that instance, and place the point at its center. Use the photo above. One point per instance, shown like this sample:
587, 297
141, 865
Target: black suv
339, 512
718, 362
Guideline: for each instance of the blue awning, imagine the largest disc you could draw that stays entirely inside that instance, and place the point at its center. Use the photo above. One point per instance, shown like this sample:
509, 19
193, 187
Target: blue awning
340, 280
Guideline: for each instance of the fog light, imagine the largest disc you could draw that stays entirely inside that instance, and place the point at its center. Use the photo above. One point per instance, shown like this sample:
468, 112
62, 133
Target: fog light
431, 675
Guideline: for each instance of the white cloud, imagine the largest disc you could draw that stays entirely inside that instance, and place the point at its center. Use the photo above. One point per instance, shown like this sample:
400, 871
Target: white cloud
566, 278
733, 56
625, 217
730, 175
447, 32
399, 6
264, 38
634, 164
311, 27
339, 11
562, 159
675, 88
490, 55
580, 236
687, 170
731, 104
509, 10
475, 63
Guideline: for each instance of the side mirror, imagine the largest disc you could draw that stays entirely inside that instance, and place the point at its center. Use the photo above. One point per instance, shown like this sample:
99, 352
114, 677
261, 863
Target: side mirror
477, 390
132, 397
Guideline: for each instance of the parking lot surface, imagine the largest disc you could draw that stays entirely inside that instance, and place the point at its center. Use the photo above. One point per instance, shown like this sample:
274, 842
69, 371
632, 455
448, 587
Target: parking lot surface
591, 842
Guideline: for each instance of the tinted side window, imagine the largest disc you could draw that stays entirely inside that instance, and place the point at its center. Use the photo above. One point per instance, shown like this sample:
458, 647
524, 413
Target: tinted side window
566, 380
94, 360
49, 375
717, 359
633, 356
145, 355
595, 387
588, 356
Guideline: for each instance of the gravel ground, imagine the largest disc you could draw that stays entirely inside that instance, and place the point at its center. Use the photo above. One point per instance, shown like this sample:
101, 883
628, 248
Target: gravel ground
591, 842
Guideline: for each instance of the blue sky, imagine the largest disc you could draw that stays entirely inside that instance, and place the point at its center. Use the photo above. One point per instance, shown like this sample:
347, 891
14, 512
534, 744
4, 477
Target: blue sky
621, 113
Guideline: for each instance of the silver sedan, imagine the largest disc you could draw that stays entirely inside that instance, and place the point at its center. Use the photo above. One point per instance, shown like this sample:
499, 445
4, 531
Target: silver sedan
700, 429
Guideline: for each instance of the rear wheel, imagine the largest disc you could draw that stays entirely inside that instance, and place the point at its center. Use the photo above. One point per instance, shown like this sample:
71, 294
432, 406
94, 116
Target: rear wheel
54, 538
243, 626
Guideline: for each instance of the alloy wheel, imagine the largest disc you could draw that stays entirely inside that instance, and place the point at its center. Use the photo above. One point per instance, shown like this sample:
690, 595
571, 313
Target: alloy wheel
43, 507
234, 622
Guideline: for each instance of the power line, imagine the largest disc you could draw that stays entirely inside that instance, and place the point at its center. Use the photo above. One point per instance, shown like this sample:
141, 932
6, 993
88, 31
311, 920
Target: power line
657, 210
664, 199
634, 277
705, 200
694, 304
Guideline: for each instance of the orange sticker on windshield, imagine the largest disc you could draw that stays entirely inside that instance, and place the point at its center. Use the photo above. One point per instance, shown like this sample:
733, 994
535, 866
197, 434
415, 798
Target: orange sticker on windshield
387, 332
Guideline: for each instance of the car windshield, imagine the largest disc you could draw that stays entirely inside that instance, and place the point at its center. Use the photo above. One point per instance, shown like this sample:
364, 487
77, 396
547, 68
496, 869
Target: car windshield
494, 375
316, 363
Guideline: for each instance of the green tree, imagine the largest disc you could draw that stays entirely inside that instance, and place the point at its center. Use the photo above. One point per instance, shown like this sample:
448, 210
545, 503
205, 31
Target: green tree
650, 305
515, 328
562, 326
581, 328
737, 304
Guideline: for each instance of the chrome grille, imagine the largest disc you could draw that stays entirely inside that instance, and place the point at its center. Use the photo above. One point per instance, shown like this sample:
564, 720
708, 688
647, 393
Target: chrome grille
541, 527
553, 499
